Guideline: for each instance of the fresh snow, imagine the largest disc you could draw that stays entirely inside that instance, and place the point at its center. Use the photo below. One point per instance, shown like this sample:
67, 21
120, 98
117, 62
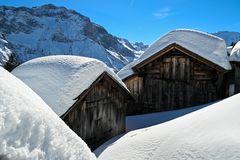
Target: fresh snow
29, 129
58, 80
147, 120
229, 49
209, 133
205, 45
235, 53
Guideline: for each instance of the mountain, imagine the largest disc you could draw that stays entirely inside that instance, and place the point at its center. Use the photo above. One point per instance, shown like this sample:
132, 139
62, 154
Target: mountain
50, 30
229, 37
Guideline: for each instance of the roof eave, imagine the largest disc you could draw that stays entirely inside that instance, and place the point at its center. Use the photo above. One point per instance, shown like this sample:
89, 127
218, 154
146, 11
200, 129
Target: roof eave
184, 50
86, 91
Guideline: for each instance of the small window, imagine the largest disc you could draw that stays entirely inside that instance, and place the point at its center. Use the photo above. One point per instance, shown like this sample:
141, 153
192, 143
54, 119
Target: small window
231, 89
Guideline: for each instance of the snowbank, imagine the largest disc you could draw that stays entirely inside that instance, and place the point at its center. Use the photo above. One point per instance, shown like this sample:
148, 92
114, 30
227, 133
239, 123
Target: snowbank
209, 133
205, 45
151, 119
29, 129
235, 53
58, 80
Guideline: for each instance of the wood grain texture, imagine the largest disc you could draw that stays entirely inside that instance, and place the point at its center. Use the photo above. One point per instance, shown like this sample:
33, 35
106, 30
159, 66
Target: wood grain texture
172, 81
99, 115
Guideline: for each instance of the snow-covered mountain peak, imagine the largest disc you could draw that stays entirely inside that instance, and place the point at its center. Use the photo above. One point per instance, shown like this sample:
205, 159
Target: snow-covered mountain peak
51, 30
229, 37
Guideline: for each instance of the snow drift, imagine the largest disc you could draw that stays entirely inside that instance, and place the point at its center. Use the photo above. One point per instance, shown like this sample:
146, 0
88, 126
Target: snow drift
209, 133
29, 129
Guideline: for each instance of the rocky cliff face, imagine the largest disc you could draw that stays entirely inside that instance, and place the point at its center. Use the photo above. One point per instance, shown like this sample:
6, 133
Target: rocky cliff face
50, 30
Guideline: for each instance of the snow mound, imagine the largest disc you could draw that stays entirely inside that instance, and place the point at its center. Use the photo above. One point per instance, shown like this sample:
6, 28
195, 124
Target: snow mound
58, 80
151, 119
205, 45
209, 133
235, 53
29, 129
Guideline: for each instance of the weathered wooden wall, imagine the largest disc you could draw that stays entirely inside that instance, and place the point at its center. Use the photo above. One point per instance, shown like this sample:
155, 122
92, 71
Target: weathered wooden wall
100, 115
233, 79
236, 67
173, 81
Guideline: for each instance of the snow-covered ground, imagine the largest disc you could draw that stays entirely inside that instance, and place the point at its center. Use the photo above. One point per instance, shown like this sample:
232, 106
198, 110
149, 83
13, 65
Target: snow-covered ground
147, 120
29, 129
208, 133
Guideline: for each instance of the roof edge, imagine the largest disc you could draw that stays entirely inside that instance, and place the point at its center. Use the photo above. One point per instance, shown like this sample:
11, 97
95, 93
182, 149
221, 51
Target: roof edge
177, 46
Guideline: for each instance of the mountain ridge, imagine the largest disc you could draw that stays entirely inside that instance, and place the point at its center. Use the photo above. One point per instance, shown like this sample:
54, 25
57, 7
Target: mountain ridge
229, 36
51, 30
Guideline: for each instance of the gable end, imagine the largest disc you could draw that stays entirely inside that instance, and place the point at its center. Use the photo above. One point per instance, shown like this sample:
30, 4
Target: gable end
182, 49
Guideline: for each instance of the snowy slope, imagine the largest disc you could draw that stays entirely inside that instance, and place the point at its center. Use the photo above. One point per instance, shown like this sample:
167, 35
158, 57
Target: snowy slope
58, 80
229, 37
205, 45
151, 119
29, 129
209, 133
50, 30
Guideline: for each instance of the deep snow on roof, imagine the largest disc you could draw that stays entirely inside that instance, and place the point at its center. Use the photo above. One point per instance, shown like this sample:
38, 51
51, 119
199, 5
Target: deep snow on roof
209, 133
60, 79
205, 45
235, 53
29, 129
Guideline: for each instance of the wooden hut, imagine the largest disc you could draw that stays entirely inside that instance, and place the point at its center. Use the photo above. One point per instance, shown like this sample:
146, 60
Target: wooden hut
183, 68
88, 96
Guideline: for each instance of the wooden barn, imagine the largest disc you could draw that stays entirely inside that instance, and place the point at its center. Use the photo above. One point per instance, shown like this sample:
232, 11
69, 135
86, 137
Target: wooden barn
183, 68
88, 96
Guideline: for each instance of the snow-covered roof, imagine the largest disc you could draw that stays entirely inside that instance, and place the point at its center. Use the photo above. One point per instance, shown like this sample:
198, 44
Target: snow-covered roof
60, 79
207, 46
235, 53
209, 133
29, 129
229, 49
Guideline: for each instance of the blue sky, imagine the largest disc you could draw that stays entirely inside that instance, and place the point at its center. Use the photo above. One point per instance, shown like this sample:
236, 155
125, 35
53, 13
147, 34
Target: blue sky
147, 20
